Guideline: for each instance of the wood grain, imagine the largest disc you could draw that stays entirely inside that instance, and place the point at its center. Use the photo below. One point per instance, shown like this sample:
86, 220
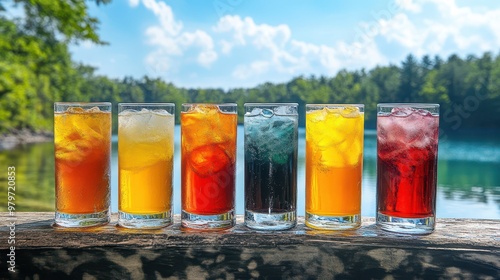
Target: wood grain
461, 248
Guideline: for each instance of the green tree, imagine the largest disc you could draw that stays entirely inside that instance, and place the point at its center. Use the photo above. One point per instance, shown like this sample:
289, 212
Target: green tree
387, 81
35, 64
410, 80
69, 19
36, 70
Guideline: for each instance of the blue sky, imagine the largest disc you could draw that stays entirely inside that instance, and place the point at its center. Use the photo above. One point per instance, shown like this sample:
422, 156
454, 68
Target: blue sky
243, 43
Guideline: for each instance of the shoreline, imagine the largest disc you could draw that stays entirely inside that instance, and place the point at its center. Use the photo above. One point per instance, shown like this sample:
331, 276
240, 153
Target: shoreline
14, 138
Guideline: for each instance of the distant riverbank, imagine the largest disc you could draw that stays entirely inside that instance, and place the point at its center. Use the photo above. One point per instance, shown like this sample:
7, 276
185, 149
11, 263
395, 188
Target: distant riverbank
17, 137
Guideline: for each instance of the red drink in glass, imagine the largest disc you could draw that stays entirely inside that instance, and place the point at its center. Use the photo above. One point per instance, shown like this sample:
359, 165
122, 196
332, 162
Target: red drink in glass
208, 172
407, 141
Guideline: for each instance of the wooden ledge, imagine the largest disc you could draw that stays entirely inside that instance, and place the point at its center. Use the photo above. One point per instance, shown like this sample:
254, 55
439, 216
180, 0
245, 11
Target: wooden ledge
463, 248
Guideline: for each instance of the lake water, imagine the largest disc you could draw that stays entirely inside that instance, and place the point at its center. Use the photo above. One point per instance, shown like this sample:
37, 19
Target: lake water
468, 176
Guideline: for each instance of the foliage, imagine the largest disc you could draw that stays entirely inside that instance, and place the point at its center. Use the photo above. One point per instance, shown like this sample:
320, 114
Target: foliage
36, 70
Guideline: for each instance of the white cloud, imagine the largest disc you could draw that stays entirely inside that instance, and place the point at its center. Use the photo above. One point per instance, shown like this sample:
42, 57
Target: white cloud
258, 52
273, 41
170, 40
158, 37
159, 61
401, 30
409, 5
285, 55
326, 56
165, 15
244, 72
246, 31
134, 3
413, 27
226, 46
462, 27
207, 57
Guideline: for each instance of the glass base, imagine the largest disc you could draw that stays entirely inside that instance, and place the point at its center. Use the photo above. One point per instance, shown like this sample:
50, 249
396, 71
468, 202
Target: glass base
149, 221
264, 221
406, 225
348, 222
208, 222
82, 220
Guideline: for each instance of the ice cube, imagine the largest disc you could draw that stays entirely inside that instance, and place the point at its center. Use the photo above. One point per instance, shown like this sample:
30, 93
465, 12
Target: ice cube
427, 132
420, 142
93, 110
352, 152
75, 110
209, 159
264, 127
392, 153
390, 130
278, 123
266, 113
162, 112
134, 122
350, 112
423, 112
317, 115
205, 108
282, 110
327, 140
402, 111
127, 112
418, 124
255, 112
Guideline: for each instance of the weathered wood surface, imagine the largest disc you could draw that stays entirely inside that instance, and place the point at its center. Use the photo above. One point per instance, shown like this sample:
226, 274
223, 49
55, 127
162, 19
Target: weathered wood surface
459, 248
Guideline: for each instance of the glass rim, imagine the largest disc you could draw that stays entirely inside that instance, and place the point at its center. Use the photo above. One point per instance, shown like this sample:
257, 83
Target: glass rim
146, 104
213, 104
408, 105
84, 103
336, 104
270, 104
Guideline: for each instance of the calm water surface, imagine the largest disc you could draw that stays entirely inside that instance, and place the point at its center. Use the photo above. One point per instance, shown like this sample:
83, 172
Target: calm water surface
468, 176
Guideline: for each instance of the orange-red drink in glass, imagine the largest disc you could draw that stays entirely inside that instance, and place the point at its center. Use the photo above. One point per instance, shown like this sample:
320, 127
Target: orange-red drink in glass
82, 140
334, 165
208, 147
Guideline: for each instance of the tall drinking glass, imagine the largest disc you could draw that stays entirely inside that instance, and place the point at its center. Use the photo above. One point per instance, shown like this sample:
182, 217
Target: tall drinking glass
271, 165
208, 145
407, 149
145, 159
82, 143
334, 165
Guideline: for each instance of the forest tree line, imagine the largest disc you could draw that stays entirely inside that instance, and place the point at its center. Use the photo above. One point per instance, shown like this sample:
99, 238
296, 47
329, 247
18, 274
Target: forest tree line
36, 70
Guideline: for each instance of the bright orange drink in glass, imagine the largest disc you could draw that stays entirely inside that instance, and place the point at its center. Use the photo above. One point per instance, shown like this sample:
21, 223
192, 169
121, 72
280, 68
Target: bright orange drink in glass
208, 146
82, 139
145, 160
334, 166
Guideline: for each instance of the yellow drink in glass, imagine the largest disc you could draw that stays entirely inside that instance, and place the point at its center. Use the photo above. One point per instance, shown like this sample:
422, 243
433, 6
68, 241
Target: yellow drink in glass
145, 159
334, 166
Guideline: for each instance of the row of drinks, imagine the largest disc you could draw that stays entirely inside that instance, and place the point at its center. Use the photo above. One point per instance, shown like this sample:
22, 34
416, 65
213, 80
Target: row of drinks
407, 139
